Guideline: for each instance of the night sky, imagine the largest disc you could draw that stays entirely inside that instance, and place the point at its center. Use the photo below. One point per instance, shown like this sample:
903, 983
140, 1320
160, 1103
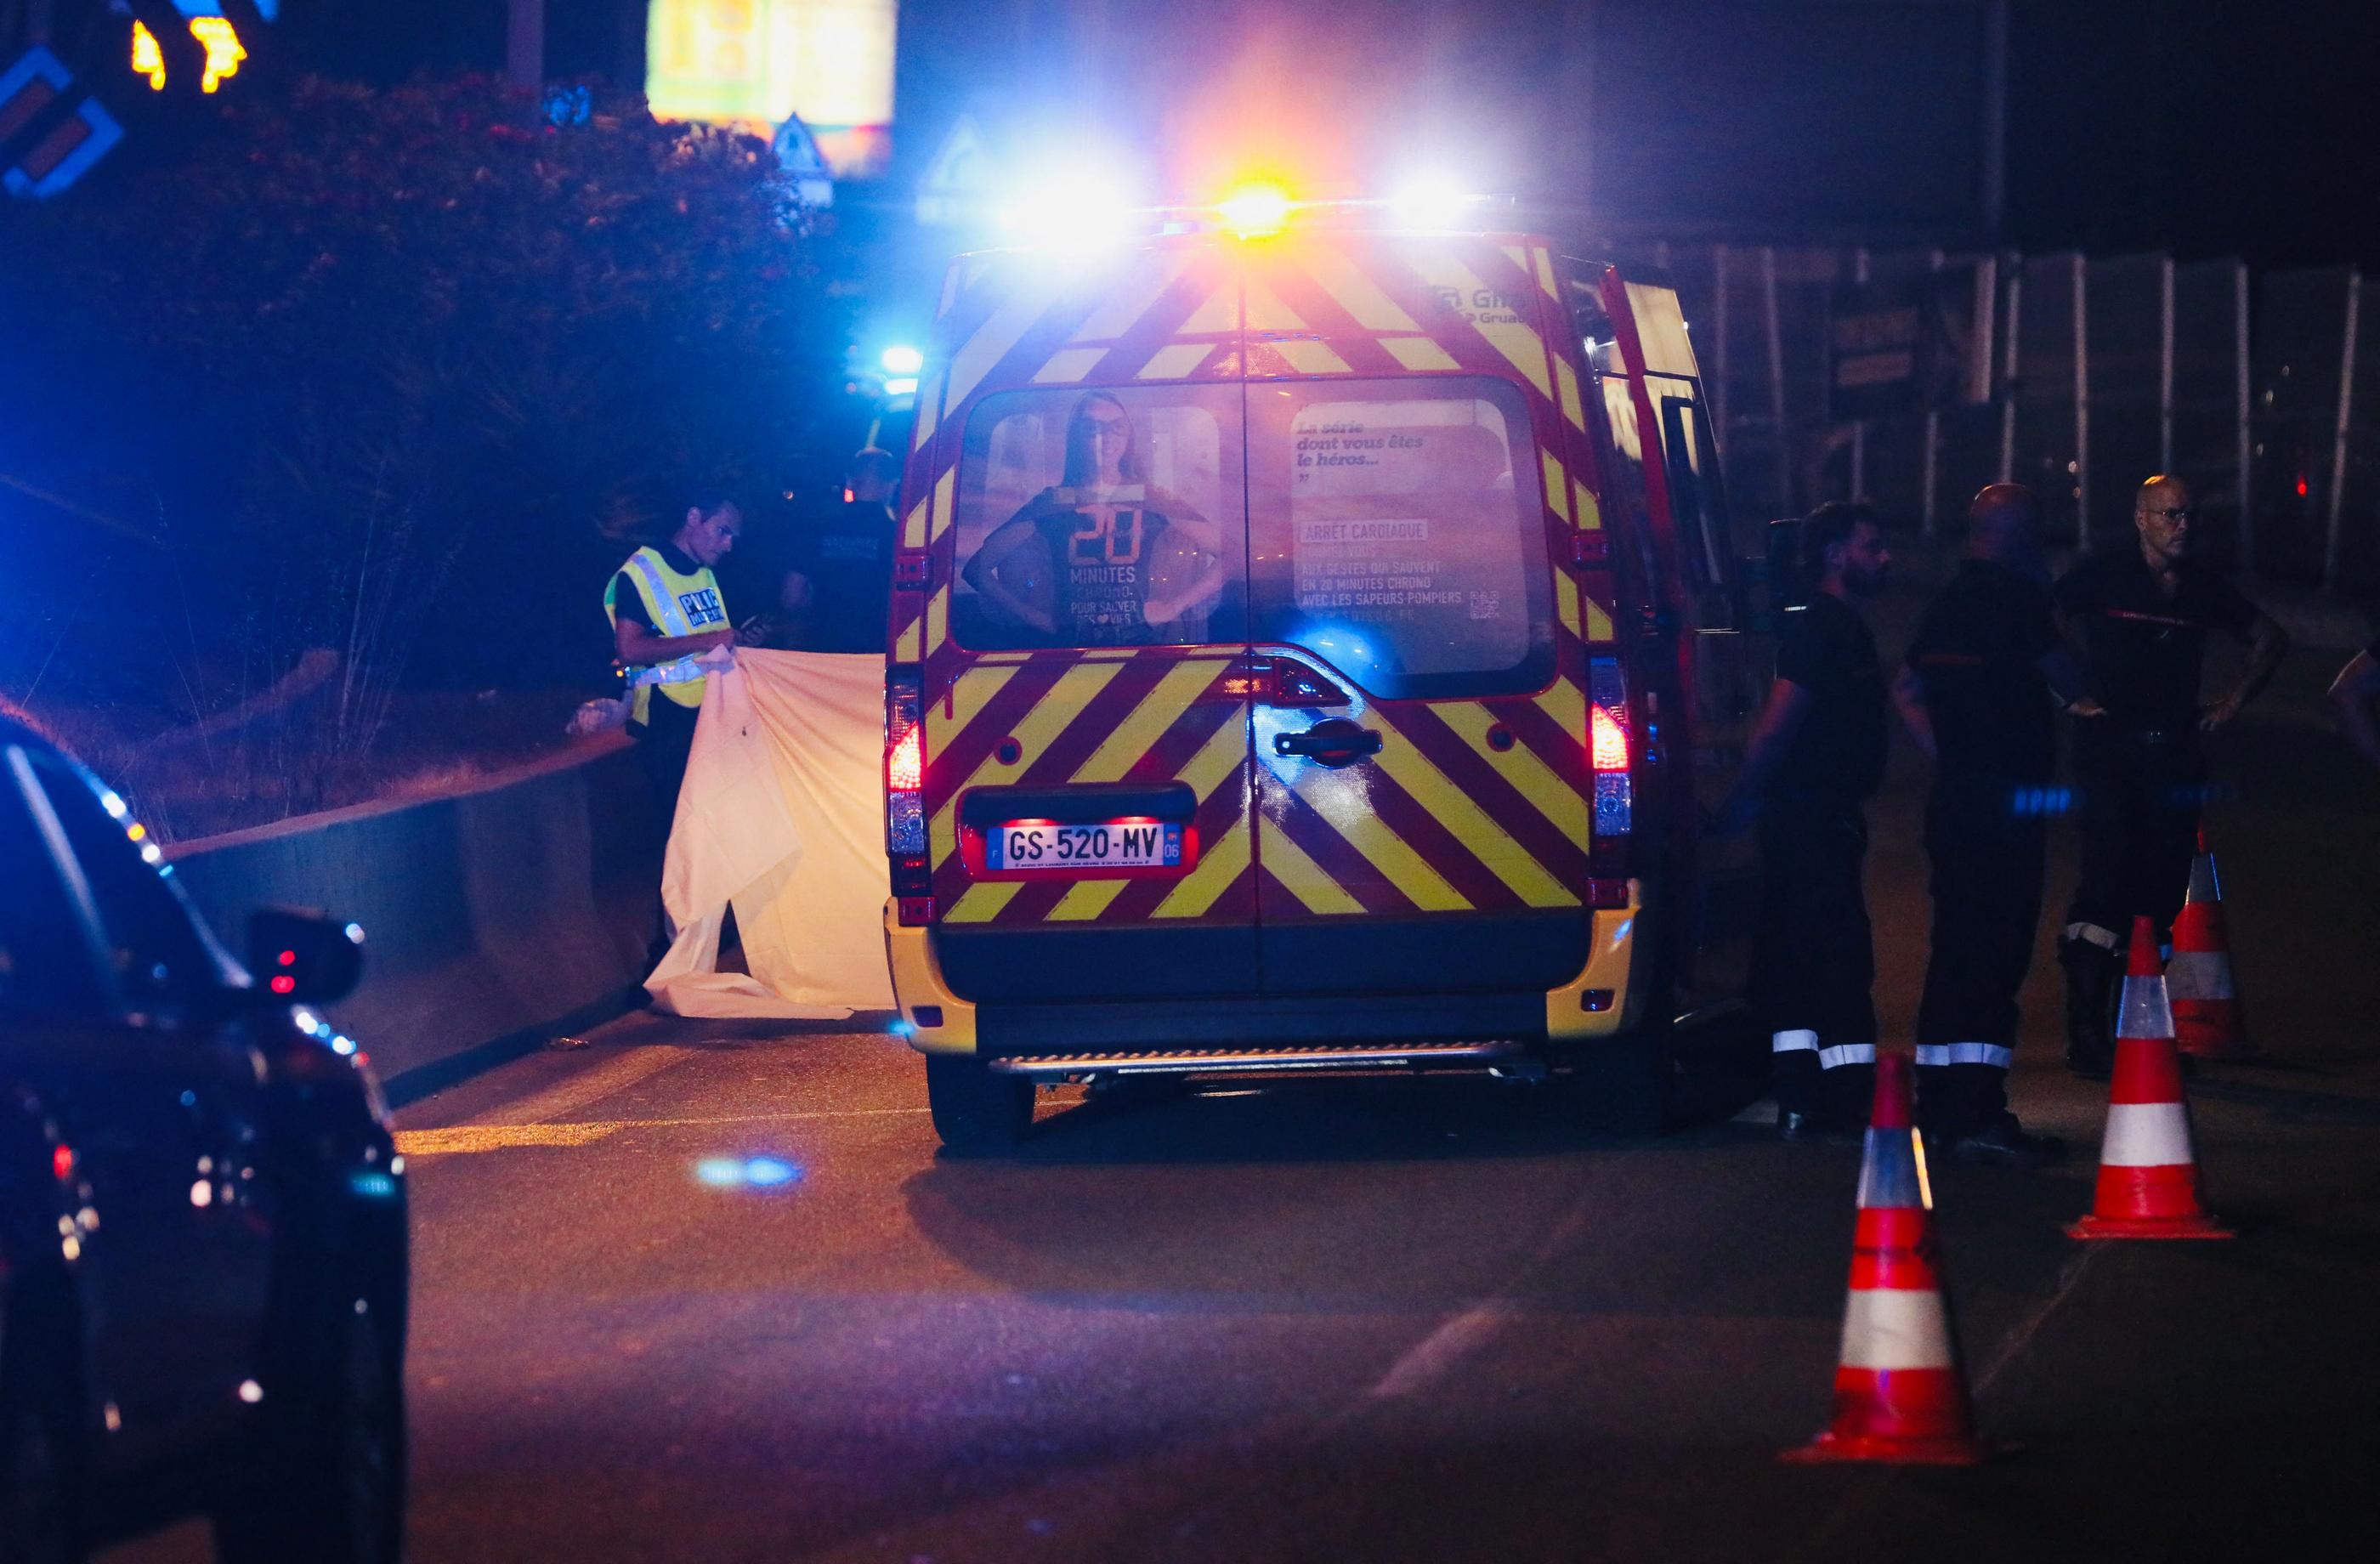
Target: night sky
2205, 126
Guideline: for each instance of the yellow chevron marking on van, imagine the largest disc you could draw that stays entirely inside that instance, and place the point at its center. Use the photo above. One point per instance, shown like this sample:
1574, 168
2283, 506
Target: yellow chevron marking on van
1356, 293
1517, 256
994, 339
1125, 304
1467, 822
1590, 510
1175, 360
909, 646
1566, 380
969, 694
1556, 485
1266, 313
981, 904
1104, 654
1418, 353
1087, 901
1546, 274
1305, 878
930, 408
1158, 711
1515, 340
1048, 719
938, 617
1387, 852
1220, 313
1311, 357
1216, 760
1598, 621
1068, 365
1566, 704
1530, 776
1222, 863
946, 494
1566, 601
913, 530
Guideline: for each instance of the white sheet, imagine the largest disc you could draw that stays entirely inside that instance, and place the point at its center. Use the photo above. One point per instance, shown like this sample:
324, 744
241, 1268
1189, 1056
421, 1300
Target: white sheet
782, 816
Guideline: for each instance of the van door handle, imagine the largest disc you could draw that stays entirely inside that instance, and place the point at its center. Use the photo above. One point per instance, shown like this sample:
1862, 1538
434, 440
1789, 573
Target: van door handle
1337, 742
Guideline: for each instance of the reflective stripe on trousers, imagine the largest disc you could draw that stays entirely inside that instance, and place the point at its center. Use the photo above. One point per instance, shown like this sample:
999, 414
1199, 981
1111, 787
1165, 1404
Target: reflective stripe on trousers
1832, 1058
1940, 1055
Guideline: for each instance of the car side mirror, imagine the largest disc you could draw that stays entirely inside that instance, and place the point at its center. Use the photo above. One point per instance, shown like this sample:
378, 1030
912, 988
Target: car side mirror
301, 957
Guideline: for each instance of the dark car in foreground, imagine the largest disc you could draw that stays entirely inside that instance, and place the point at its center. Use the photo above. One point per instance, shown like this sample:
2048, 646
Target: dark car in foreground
203, 1213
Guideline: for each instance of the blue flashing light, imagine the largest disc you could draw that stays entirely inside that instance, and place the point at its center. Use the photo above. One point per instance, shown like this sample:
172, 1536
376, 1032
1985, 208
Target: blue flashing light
903, 1027
902, 359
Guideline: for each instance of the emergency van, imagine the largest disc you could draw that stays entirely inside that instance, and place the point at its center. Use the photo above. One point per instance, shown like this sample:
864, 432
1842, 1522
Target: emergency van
1308, 651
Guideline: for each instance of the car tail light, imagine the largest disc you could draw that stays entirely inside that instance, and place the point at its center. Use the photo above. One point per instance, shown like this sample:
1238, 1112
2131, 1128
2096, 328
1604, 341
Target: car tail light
1611, 747
904, 797
904, 767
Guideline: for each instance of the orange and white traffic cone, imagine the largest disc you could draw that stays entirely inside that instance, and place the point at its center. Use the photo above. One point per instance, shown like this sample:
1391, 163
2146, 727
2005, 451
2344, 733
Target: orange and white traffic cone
1900, 1394
2198, 978
2148, 1175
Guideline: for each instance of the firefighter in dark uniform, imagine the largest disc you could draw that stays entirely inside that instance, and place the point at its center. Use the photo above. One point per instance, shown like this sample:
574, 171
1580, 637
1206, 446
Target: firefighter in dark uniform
1977, 692
2141, 613
1814, 757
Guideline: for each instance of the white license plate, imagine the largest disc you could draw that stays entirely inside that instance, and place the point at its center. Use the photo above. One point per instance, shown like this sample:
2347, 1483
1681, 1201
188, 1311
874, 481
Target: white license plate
1113, 845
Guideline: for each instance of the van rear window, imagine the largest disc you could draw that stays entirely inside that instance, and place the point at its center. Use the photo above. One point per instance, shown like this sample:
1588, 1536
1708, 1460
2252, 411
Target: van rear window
1398, 531
1101, 518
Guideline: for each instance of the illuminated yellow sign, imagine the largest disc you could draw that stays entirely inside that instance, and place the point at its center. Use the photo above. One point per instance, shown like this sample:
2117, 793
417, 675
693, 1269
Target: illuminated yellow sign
756, 63
223, 45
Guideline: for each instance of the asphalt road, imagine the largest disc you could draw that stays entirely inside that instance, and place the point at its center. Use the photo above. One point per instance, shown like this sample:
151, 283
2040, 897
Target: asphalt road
1392, 1319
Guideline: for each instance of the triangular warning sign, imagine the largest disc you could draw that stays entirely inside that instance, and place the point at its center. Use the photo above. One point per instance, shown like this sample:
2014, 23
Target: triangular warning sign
957, 178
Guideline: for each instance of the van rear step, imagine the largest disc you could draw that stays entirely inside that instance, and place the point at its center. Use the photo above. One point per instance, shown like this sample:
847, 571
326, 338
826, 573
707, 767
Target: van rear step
1185, 1060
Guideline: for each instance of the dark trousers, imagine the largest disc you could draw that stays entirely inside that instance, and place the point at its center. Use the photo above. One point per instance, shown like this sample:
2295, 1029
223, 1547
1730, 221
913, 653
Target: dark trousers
1814, 964
1986, 839
664, 742
2142, 795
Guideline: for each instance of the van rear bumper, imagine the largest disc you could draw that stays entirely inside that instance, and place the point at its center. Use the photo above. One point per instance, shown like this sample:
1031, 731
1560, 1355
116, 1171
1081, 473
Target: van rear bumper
1595, 1003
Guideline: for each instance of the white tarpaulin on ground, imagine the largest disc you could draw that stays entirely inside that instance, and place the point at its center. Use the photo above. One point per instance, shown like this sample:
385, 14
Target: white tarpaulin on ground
782, 815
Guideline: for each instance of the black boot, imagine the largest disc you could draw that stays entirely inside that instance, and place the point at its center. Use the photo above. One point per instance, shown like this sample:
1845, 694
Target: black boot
2091, 974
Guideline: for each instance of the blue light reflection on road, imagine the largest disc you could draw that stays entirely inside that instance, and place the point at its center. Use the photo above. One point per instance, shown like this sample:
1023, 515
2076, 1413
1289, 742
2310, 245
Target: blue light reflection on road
746, 1172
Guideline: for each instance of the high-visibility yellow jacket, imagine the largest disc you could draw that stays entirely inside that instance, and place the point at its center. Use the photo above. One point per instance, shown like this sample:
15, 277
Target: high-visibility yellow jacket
678, 604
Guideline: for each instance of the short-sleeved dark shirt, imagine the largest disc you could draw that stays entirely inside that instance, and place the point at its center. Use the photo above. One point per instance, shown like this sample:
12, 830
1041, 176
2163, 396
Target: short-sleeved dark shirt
1978, 648
2143, 651
1098, 556
1837, 753
849, 562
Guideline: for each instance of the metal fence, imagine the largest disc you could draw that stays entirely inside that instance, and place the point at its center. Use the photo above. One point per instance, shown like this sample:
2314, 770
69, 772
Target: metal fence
2091, 373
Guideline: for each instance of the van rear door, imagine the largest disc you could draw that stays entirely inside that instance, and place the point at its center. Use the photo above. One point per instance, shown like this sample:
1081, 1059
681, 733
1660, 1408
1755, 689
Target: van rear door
1420, 772
1657, 446
1080, 641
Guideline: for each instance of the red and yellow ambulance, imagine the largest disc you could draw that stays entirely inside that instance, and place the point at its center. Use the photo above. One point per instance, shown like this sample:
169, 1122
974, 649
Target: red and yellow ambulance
1307, 645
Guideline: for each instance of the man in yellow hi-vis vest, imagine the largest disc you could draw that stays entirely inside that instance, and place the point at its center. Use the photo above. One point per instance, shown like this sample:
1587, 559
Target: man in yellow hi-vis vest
666, 612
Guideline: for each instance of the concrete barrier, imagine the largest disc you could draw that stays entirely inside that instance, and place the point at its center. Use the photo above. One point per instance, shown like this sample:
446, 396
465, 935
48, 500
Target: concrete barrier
491, 918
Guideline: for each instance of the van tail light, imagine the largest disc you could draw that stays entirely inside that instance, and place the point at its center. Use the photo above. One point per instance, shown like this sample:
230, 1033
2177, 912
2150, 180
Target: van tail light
1611, 747
904, 794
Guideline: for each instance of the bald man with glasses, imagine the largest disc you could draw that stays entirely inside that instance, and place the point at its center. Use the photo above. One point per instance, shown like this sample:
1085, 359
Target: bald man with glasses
2140, 613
